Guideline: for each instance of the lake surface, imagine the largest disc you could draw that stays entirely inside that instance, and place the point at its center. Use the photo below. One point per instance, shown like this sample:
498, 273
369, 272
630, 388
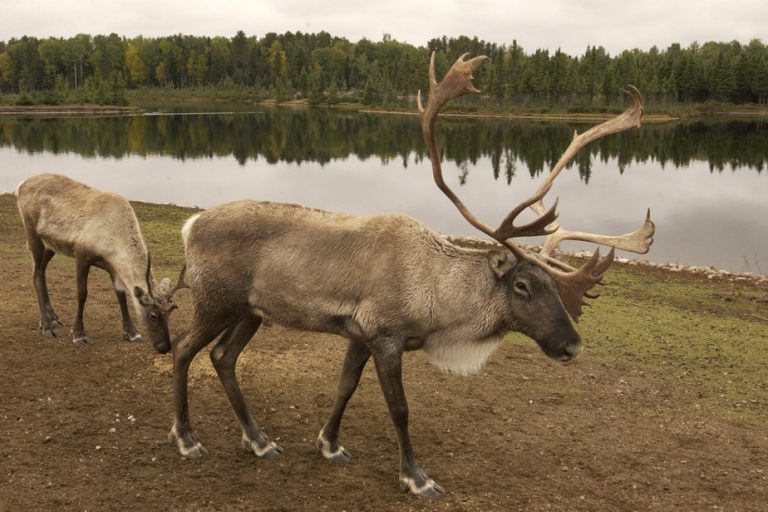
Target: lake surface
705, 182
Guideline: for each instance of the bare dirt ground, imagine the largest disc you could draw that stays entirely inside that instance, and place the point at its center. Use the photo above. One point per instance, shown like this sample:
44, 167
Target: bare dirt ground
85, 429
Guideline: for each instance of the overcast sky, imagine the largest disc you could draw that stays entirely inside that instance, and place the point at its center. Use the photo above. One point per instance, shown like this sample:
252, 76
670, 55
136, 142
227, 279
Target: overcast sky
571, 25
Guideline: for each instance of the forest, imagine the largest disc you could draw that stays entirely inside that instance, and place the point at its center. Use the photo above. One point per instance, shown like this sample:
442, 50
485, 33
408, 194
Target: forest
320, 68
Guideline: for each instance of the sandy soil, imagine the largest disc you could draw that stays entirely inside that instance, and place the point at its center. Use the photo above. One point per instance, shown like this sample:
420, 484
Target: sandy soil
85, 429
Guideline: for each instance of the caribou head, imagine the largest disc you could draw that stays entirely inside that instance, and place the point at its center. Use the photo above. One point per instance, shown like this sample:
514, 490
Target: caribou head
157, 305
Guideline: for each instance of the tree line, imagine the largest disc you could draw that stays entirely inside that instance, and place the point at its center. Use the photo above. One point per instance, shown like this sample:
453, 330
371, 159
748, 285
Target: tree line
322, 68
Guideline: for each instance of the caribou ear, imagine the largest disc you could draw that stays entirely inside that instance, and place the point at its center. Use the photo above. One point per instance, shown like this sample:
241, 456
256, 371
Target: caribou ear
501, 261
144, 298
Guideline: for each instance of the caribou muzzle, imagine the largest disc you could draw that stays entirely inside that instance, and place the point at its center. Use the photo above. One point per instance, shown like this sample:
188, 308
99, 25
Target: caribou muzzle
562, 350
163, 347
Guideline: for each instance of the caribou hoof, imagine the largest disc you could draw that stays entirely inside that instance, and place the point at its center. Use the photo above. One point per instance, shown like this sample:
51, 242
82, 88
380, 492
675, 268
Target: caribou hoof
133, 338
187, 445
421, 485
80, 341
49, 328
271, 451
337, 455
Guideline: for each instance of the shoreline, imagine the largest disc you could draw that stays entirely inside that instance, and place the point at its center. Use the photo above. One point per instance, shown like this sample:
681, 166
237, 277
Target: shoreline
596, 117
711, 272
86, 110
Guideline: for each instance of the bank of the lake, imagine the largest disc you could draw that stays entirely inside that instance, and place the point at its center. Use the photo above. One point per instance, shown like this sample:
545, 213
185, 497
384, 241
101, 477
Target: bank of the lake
141, 100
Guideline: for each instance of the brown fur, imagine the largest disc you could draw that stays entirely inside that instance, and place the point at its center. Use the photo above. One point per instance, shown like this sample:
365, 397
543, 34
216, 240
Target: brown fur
73, 218
308, 269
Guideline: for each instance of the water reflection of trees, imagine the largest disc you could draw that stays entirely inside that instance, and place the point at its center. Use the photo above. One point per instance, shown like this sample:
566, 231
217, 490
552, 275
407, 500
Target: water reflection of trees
324, 135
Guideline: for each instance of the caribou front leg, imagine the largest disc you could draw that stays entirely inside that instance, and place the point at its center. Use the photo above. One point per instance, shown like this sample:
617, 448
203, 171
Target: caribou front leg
224, 357
328, 439
129, 330
41, 256
387, 356
185, 348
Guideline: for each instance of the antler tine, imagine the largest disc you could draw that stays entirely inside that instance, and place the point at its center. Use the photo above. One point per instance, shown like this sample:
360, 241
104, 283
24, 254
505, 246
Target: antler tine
540, 226
573, 287
149, 274
180, 282
630, 118
432, 77
638, 241
457, 82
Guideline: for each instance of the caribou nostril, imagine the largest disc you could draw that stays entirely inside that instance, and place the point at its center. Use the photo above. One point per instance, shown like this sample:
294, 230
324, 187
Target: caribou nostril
571, 351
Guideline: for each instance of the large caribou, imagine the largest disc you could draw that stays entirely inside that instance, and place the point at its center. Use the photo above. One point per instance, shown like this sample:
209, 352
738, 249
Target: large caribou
98, 229
387, 283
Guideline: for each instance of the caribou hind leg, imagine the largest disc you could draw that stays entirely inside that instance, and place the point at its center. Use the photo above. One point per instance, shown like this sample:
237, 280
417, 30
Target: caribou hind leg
354, 363
224, 357
41, 256
387, 356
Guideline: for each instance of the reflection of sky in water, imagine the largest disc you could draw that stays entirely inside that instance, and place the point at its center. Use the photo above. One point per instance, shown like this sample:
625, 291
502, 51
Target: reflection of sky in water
702, 218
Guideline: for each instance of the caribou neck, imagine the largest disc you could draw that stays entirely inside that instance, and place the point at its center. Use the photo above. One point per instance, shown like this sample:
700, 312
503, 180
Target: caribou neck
463, 295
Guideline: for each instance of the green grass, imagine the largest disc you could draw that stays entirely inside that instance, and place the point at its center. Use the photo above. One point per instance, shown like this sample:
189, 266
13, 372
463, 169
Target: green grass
709, 337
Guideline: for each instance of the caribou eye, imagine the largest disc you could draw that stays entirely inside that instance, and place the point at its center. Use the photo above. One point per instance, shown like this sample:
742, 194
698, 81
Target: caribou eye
153, 315
522, 289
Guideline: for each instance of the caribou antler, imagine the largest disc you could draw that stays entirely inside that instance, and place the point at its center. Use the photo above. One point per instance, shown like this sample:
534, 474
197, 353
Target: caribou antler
638, 241
164, 291
572, 284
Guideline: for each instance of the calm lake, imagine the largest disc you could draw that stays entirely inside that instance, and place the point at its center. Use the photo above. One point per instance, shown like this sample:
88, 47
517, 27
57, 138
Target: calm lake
705, 182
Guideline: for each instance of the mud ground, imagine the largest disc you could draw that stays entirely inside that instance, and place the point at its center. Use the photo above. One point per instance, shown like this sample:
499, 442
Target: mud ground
85, 428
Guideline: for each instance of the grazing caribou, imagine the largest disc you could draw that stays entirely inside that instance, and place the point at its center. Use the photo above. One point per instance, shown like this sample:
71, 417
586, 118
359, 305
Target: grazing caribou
98, 229
387, 283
